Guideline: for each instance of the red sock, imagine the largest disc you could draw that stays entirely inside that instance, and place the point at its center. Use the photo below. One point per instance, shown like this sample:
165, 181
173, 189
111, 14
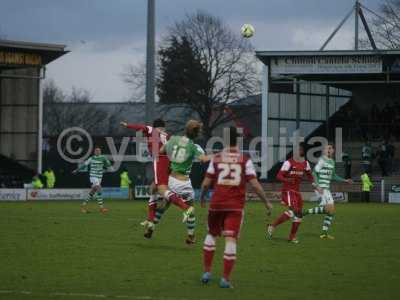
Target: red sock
229, 262
178, 201
208, 252
151, 212
281, 219
293, 231
208, 256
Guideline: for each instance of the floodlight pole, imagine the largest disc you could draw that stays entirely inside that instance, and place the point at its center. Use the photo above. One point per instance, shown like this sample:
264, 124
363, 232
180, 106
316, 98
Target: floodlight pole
356, 26
39, 167
264, 122
150, 61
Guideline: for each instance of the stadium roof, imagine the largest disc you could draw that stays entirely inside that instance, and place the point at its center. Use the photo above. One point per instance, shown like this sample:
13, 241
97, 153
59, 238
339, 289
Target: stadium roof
47, 52
262, 54
334, 67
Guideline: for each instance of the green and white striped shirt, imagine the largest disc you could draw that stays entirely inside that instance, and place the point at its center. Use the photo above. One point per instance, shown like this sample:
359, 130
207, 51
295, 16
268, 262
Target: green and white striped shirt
325, 172
97, 165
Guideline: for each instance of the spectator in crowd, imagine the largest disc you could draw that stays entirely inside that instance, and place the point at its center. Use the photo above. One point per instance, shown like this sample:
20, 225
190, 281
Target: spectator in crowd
366, 187
347, 165
139, 180
384, 157
50, 178
125, 180
367, 156
36, 182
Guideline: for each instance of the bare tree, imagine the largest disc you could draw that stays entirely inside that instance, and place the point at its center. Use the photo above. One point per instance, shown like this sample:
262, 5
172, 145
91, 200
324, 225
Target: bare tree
63, 111
228, 60
135, 77
386, 25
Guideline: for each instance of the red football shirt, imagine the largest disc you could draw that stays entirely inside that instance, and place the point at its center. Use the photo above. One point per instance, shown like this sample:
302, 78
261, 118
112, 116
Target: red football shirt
230, 170
292, 173
155, 137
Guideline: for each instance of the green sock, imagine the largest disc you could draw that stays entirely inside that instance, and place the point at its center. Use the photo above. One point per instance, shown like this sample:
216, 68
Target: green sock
328, 219
86, 201
318, 210
159, 213
191, 224
99, 199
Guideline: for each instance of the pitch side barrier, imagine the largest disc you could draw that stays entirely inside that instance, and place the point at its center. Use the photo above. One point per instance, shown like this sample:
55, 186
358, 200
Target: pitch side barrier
30, 194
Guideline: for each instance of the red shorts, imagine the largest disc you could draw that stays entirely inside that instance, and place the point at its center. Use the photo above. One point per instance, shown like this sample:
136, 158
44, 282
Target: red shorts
161, 170
227, 223
293, 200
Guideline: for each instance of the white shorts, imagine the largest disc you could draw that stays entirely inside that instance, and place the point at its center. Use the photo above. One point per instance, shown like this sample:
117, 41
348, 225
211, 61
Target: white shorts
182, 188
325, 198
95, 181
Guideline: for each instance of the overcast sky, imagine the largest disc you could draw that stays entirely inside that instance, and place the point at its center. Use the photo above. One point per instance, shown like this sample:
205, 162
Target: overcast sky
106, 35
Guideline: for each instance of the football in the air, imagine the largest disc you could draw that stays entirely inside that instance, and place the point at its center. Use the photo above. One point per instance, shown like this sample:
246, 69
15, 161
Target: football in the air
247, 31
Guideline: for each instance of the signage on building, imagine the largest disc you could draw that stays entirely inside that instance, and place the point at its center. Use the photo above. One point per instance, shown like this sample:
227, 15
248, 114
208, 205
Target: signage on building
344, 64
20, 59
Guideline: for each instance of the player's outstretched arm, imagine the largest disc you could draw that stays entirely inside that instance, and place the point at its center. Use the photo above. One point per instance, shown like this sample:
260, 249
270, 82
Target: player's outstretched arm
205, 186
205, 158
338, 178
140, 127
255, 184
82, 166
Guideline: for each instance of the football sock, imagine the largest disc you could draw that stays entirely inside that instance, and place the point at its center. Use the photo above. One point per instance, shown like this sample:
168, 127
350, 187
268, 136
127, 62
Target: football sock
175, 199
318, 210
208, 252
327, 223
283, 218
295, 226
151, 213
191, 224
99, 198
229, 258
159, 213
86, 201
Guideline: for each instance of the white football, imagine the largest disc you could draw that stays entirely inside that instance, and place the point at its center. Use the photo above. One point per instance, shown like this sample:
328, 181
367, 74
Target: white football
247, 31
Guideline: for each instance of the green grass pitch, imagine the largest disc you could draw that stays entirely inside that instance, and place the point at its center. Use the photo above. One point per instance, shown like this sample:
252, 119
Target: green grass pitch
49, 250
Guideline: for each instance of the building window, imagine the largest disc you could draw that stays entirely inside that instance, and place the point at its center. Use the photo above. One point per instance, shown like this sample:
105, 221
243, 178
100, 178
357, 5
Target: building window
288, 106
273, 105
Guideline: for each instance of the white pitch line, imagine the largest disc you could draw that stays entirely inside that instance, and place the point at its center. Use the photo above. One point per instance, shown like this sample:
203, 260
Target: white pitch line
79, 295
87, 295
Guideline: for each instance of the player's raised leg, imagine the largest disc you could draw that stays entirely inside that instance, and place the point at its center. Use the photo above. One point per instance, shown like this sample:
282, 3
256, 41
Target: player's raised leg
287, 199
191, 226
